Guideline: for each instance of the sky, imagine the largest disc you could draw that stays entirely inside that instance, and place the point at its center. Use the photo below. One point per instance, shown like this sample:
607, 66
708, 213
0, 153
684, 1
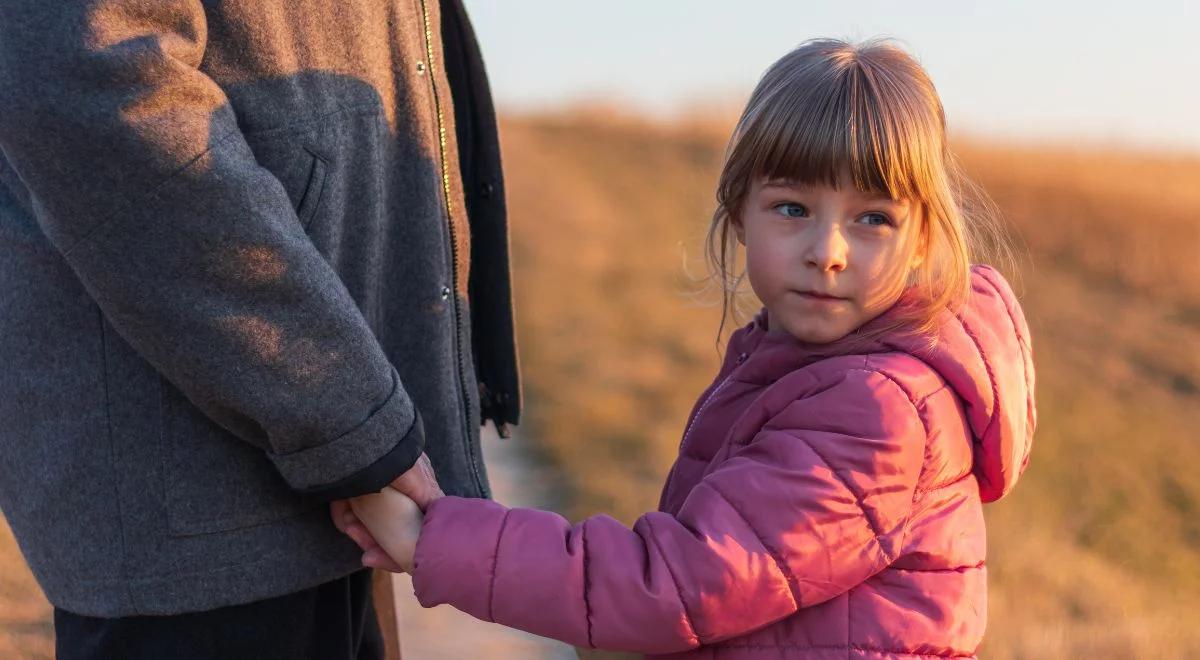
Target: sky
1119, 74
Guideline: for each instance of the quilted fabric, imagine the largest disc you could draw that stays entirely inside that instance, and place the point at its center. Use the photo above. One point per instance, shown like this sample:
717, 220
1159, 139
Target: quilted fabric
822, 505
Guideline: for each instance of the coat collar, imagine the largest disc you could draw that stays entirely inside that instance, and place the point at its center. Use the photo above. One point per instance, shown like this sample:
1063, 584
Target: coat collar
768, 356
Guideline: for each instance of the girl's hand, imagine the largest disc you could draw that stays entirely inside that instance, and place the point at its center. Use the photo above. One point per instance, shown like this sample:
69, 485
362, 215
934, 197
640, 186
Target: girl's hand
392, 521
419, 483
348, 523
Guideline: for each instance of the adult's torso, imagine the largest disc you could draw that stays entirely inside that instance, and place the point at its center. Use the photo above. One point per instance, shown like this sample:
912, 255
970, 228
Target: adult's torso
348, 105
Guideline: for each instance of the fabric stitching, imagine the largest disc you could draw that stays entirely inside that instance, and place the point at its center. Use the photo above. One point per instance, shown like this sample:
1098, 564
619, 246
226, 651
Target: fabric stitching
943, 388
926, 459
154, 578
495, 562
1026, 360
86, 238
353, 110
871, 522
917, 408
112, 450
953, 569
687, 616
858, 498
793, 583
849, 618
838, 647
232, 134
587, 603
987, 365
951, 483
393, 392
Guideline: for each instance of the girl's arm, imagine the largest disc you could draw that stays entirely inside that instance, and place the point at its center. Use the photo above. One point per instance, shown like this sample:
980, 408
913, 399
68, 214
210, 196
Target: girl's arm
802, 513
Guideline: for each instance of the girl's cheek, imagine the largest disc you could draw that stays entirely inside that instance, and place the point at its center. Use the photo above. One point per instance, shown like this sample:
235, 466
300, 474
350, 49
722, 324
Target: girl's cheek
883, 263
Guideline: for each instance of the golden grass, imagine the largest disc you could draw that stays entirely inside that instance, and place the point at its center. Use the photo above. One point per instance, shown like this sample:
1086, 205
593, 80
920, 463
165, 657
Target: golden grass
1094, 555
1097, 552
25, 627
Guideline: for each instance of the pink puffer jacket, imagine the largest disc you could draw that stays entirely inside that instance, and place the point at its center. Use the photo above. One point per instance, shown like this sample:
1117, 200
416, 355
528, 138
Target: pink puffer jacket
820, 507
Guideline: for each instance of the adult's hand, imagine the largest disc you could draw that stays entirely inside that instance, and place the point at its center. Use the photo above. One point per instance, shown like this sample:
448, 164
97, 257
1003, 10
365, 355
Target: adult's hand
419, 483
348, 523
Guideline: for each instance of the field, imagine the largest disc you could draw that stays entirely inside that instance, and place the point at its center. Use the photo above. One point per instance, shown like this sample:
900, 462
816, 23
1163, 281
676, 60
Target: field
1097, 552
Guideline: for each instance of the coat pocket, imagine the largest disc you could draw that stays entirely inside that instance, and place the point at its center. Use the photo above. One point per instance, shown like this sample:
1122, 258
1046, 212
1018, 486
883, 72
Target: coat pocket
215, 481
314, 188
296, 156
335, 171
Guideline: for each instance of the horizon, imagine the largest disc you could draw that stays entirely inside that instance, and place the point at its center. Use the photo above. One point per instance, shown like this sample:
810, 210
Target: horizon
1015, 79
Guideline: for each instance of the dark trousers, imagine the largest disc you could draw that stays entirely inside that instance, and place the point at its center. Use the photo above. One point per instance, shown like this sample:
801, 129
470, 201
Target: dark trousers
332, 621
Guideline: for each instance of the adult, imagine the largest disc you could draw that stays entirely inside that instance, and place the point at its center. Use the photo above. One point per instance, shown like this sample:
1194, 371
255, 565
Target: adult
254, 253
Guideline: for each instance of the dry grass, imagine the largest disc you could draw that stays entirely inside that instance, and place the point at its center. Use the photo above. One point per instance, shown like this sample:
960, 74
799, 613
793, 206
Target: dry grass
1096, 554
25, 628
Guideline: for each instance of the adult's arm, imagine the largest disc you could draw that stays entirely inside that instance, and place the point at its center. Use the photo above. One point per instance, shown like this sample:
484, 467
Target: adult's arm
141, 179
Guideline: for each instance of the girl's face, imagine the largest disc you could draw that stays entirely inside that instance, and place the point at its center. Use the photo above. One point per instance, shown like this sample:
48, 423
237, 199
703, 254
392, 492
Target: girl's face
825, 260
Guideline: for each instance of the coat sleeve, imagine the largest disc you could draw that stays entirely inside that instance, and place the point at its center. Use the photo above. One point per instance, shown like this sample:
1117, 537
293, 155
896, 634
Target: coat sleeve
817, 502
141, 179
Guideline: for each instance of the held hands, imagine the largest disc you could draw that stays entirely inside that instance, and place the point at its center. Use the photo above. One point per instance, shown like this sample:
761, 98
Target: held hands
386, 525
391, 519
419, 483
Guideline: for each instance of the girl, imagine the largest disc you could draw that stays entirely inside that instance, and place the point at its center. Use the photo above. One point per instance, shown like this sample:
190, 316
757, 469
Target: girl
827, 497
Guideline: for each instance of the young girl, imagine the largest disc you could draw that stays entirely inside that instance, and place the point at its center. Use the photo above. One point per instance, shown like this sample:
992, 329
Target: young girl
827, 497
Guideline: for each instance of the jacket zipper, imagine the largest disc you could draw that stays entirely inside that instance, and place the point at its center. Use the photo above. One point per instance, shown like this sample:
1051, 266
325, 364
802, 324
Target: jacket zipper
441, 124
695, 418
687, 432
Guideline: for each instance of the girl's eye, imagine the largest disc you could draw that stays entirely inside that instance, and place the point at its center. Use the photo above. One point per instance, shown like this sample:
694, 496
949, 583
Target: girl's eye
792, 210
875, 220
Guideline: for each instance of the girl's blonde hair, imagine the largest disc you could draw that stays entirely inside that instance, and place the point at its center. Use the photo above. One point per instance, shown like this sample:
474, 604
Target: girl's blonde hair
869, 109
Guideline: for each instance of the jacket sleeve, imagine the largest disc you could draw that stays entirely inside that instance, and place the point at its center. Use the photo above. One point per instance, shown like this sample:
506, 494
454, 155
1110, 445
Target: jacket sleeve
141, 179
817, 502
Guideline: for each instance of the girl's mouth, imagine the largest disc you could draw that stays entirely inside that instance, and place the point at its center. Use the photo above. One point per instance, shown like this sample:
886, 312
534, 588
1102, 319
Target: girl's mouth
816, 295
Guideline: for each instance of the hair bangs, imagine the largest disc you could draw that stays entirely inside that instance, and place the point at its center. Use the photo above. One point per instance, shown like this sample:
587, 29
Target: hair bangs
867, 115
837, 128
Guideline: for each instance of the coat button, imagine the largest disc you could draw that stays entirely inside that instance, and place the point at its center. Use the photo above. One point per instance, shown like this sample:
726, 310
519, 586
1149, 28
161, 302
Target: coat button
445, 293
742, 358
487, 189
420, 68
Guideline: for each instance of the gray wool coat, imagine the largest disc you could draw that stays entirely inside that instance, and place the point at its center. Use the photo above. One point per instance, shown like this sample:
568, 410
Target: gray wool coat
238, 279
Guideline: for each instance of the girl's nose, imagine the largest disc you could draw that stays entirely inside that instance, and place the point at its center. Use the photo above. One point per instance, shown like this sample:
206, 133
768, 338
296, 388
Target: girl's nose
827, 251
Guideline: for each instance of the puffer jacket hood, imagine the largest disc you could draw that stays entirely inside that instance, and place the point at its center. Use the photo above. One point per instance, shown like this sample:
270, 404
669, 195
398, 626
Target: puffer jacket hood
983, 352
989, 364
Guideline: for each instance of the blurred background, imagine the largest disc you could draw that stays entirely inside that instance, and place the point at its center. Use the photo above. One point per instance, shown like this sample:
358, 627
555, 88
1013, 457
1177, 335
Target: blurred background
1080, 120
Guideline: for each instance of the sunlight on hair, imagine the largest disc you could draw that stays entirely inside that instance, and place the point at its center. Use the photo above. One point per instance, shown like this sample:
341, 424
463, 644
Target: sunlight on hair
829, 108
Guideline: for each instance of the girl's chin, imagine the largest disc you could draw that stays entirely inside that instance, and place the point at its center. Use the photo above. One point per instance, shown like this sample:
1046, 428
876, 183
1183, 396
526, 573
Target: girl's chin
811, 333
